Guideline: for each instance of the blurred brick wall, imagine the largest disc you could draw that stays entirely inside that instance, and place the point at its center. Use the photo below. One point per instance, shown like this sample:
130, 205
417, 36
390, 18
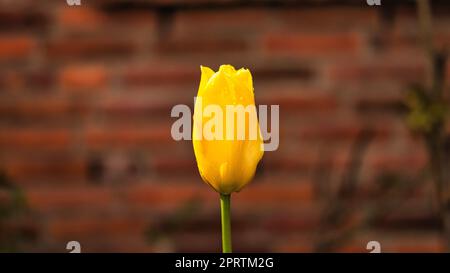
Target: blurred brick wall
86, 94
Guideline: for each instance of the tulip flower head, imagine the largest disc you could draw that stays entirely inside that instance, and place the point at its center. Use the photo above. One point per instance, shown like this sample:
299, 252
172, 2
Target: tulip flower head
226, 135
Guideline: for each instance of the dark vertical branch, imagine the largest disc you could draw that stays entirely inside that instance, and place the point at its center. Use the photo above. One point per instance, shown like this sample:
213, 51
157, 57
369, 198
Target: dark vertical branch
435, 137
337, 210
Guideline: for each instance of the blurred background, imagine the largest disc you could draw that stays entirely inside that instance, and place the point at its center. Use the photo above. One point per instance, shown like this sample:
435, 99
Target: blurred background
86, 152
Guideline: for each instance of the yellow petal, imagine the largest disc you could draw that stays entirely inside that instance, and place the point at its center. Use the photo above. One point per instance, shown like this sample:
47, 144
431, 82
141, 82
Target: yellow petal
245, 77
207, 73
226, 165
228, 69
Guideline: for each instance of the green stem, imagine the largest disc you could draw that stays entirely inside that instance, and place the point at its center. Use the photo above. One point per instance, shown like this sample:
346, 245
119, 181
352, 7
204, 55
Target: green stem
226, 224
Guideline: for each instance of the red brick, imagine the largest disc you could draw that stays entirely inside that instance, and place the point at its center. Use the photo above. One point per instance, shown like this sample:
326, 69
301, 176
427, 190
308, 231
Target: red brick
289, 163
134, 107
85, 18
400, 43
377, 70
18, 19
282, 71
414, 213
39, 109
286, 222
202, 243
412, 161
161, 74
40, 80
328, 18
47, 169
384, 102
418, 247
201, 45
83, 77
213, 21
168, 195
294, 243
89, 227
313, 44
261, 195
73, 198
320, 101
170, 165
341, 131
80, 17
334, 132
89, 48
127, 137
16, 47
34, 138
12, 81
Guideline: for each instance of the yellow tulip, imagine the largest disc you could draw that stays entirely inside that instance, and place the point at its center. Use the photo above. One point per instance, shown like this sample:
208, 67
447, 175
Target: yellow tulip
226, 164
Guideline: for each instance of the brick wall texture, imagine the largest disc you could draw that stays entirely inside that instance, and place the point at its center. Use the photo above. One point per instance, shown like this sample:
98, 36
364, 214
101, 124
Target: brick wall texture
85, 100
